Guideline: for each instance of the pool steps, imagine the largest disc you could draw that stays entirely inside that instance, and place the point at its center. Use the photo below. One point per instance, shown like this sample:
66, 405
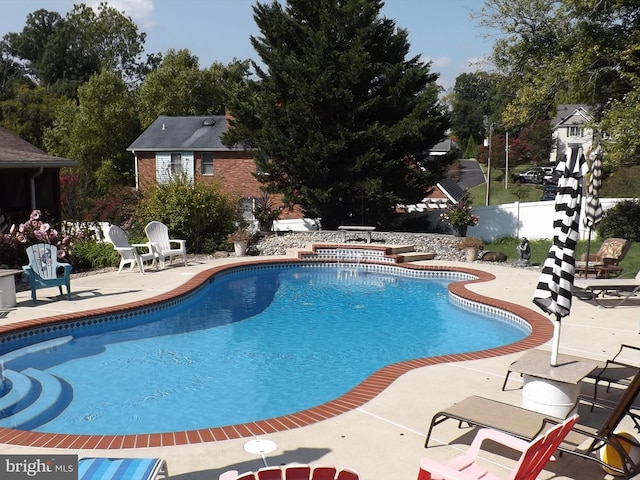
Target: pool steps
358, 253
36, 396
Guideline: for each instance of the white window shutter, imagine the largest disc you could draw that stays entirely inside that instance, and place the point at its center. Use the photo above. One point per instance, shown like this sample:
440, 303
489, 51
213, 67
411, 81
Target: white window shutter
163, 167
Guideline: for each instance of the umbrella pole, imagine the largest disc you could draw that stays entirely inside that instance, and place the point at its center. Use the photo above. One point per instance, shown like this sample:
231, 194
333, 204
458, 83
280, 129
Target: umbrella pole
555, 346
586, 266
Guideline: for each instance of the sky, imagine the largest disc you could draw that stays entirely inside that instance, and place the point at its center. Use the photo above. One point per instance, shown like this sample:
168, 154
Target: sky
440, 31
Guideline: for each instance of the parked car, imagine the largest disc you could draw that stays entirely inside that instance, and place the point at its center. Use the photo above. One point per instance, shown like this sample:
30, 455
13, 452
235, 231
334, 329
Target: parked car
550, 175
532, 175
549, 192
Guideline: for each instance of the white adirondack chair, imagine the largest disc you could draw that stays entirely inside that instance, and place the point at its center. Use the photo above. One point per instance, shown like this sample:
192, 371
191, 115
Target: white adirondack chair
129, 253
164, 247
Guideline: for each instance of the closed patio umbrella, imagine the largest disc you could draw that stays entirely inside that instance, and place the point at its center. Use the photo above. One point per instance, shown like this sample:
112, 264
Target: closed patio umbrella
553, 292
593, 207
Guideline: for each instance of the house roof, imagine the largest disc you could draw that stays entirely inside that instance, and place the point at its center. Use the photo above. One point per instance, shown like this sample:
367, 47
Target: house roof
18, 153
567, 110
183, 133
447, 190
451, 189
443, 147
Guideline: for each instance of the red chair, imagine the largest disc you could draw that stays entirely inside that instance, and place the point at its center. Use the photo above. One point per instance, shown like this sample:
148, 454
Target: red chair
346, 474
270, 473
323, 473
535, 455
297, 472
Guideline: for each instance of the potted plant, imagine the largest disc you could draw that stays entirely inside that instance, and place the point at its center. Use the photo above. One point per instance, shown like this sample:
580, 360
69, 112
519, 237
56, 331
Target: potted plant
240, 239
471, 246
460, 216
265, 211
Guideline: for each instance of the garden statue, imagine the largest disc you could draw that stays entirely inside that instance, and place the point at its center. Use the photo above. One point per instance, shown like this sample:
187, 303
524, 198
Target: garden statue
524, 253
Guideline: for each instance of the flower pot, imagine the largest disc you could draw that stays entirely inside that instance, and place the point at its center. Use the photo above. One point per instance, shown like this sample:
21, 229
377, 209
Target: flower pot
240, 248
472, 253
459, 231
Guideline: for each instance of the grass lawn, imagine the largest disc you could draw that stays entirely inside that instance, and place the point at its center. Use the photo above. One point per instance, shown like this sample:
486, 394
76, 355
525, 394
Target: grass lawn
515, 192
540, 249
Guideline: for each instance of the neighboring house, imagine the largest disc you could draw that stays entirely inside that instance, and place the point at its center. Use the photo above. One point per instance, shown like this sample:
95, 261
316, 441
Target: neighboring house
445, 192
29, 178
191, 146
445, 147
571, 126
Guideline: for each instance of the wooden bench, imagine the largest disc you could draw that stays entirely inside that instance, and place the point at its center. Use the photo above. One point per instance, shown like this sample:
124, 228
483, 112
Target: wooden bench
356, 228
8, 288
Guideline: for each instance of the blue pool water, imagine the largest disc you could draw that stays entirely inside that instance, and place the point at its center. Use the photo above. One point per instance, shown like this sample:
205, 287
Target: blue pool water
253, 345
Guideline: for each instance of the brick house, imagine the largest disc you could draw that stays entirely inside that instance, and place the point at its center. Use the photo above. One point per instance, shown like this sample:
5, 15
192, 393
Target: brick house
191, 146
29, 178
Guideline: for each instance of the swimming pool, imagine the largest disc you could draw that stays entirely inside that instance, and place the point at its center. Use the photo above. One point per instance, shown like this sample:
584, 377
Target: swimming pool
300, 334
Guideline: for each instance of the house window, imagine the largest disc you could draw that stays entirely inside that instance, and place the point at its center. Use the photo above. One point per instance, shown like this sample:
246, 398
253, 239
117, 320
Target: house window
574, 132
207, 163
175, 167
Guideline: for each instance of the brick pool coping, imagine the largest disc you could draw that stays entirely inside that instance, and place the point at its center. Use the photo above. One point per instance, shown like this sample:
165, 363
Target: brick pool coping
542, 331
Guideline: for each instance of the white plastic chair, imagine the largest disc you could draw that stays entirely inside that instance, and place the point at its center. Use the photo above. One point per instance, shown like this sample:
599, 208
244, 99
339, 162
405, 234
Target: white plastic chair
129, 253
164, 247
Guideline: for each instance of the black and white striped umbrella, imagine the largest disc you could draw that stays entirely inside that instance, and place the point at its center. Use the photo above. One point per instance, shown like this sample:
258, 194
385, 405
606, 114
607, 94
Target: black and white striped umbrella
553, 292
593, 207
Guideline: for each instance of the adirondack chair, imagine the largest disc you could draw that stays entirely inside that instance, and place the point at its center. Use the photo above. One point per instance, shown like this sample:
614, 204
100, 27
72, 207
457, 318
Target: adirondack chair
535, 455
45, 271
129, 253
164, 247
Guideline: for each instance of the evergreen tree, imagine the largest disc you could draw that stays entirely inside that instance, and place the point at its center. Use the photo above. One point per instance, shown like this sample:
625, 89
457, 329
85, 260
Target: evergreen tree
471, 150
340, 119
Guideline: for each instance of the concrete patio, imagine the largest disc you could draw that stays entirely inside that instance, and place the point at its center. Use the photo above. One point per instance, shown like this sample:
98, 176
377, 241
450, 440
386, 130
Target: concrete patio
384, 438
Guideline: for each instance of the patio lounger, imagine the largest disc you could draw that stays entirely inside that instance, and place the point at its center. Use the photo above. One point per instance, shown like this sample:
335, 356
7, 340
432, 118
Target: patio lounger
583, 440
122, 469
534, 455
596, 289
293, 472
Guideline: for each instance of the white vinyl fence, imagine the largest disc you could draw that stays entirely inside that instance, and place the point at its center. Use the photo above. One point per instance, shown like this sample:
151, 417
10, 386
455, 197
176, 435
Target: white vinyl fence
533, 220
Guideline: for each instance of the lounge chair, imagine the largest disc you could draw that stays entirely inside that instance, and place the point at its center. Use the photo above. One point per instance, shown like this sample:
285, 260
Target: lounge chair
583, 440
611, 252
293, 472
129, 253
44, 269
122, 469
597, 289
164, 247
535, 455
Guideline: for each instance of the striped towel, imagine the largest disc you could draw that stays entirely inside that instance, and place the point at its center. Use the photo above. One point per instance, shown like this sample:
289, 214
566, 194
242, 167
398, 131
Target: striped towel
120, 468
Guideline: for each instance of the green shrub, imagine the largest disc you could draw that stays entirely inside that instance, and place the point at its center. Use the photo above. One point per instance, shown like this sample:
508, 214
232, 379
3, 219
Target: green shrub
198, 213
89, 254
622, 220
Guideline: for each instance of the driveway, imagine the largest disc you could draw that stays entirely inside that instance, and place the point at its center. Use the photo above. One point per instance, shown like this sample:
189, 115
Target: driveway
471, 174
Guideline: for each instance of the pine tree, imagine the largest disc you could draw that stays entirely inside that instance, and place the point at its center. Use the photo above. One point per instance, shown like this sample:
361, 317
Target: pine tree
471, 150
340, 119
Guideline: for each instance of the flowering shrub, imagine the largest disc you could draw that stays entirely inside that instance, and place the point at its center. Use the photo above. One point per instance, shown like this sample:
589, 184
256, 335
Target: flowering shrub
460, 214
35, 230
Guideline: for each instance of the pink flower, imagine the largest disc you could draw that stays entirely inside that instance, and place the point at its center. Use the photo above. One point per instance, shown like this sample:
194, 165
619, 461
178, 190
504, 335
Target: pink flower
35, 215
44, 227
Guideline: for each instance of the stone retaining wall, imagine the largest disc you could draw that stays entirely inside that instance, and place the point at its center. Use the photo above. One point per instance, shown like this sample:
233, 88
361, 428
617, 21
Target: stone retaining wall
444, 246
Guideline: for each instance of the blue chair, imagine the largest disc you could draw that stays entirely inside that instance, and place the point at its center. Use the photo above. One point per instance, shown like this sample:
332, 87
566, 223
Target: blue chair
121, 468
45, 271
